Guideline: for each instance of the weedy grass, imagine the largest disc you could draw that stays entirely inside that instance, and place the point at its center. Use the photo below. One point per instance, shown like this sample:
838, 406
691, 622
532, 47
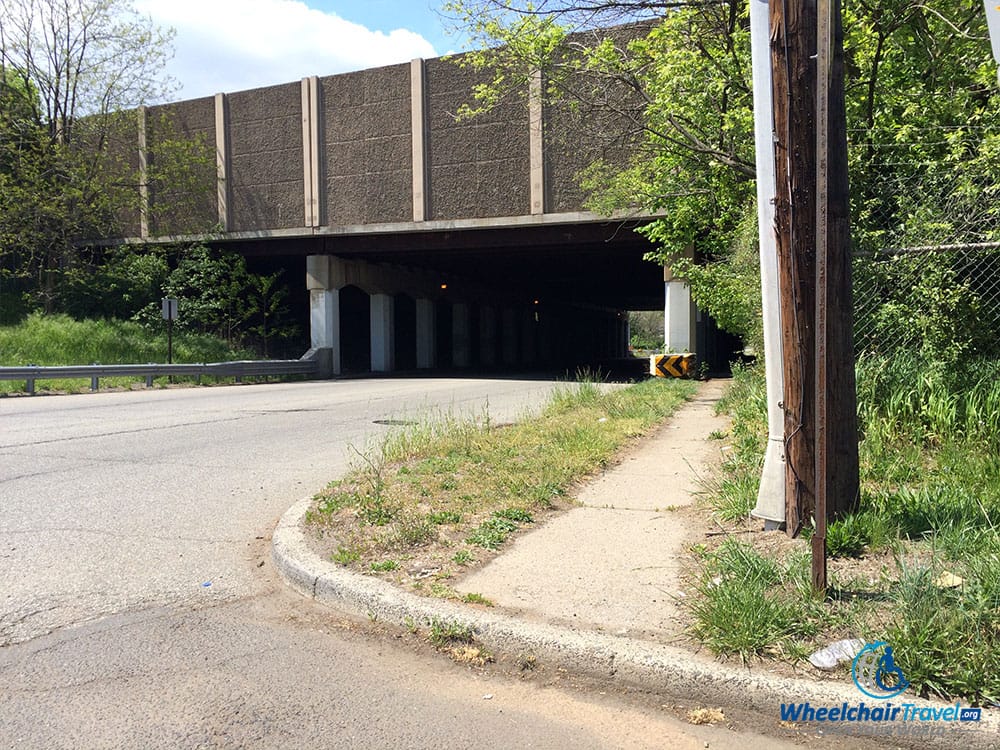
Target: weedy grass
60, 340
443, 491
927, 517
751, 605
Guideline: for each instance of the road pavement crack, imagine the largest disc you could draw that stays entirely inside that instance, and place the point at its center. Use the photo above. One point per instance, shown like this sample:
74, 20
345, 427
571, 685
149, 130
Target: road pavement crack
113, 433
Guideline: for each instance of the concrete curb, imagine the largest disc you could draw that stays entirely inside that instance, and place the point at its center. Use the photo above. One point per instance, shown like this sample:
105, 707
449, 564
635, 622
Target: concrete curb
650, 666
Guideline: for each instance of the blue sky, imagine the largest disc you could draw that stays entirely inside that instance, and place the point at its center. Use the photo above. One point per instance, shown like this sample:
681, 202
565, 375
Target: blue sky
421, 16
233, 45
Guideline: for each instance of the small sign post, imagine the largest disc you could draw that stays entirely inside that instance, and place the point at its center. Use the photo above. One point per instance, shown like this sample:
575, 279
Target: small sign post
169, 310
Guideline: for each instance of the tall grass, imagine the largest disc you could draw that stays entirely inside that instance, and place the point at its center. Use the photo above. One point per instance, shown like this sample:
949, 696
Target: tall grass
930, 495
60, 340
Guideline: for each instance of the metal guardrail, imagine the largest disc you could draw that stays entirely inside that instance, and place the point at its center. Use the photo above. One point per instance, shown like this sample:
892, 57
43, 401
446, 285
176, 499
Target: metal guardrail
241, 369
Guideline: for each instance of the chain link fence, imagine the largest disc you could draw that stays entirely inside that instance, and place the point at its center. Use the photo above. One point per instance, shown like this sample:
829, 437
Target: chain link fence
926, 231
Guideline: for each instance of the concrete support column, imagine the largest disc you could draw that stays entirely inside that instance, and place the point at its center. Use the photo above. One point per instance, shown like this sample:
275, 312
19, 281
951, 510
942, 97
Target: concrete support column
487, 336
324, 315
461, 355
678, 323
426, 350
324, 329
382, 330
677, 316
509, 336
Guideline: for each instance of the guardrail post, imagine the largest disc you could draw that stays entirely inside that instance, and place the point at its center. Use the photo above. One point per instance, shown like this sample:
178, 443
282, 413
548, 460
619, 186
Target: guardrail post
149, 378
29, 384
94, 380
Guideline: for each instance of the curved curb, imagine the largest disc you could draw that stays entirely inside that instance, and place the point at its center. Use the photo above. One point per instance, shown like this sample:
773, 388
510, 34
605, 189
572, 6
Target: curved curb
650, 666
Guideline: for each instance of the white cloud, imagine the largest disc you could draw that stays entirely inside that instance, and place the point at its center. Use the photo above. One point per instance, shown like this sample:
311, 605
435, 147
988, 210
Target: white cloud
232, 45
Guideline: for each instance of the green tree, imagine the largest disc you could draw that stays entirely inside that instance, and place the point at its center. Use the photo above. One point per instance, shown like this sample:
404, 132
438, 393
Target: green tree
673, 92
68, 71
922, 112
264, 302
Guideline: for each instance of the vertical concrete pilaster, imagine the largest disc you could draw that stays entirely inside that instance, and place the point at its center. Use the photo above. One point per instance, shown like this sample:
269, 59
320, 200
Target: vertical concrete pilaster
461, 338
312, 179
418, 128
222, 160
426, 349
382, 331
487, 336
143, 175
536, 154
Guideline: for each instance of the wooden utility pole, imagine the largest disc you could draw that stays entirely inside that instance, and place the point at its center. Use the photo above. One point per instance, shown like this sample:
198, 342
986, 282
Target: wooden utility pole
793, 26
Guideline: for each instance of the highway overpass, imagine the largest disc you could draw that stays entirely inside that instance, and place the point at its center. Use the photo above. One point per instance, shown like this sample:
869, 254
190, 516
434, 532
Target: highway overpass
426, 240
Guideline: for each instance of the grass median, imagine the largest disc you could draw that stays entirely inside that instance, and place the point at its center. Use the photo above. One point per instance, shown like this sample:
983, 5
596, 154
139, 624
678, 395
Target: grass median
917, 565
433, 499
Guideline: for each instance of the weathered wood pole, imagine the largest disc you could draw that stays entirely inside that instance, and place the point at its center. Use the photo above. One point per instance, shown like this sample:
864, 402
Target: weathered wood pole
793, 50
842, 405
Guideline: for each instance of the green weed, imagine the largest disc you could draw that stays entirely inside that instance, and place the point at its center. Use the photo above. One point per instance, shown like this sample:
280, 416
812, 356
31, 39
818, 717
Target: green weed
444, 633
473, 598
346, 555
462, 557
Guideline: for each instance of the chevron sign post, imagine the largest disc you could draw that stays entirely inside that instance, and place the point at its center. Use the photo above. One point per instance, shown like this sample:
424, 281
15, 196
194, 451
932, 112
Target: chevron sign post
672, 365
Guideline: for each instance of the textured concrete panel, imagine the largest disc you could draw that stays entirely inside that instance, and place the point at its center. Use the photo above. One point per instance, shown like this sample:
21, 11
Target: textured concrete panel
368, 146
575, 139
478, 167
265, 127
182, 200
119, 161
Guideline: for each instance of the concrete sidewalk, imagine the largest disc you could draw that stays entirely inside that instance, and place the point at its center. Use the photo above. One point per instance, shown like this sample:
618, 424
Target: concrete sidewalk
614, 564
595, 590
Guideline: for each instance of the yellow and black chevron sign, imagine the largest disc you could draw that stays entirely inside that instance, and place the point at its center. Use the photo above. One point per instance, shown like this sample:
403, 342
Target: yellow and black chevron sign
672, 365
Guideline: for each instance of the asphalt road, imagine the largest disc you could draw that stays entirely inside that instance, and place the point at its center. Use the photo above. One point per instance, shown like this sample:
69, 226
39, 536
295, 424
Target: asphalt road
138, 607
112, 502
